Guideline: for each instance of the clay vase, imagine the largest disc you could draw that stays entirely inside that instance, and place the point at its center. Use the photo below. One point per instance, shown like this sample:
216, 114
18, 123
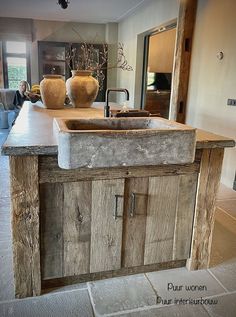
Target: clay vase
53, 91
82, 88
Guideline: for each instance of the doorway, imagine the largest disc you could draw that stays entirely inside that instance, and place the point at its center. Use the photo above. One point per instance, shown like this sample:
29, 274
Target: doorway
159, 47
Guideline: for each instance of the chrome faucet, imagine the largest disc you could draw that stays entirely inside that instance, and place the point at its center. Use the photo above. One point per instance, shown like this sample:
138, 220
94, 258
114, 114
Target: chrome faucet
107, 107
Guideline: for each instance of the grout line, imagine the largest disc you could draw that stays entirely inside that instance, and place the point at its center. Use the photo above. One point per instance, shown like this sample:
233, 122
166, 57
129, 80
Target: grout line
138, 309
154, 290
91, 300
221, 294
228, 214
212, 274
206, 311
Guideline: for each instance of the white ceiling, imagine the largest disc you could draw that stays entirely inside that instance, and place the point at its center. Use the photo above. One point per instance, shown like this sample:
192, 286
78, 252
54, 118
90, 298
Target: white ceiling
94, 11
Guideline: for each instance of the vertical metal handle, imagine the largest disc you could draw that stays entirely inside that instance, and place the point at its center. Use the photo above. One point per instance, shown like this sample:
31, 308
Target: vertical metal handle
115, 214
133, 204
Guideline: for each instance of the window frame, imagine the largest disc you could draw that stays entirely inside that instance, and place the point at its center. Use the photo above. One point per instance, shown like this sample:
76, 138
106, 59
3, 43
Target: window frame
5, 55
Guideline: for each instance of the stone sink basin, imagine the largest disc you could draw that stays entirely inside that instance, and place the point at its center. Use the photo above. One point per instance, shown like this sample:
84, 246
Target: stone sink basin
110, 142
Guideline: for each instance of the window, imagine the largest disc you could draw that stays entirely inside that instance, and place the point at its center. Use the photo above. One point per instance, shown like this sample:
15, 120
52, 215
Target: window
16, 63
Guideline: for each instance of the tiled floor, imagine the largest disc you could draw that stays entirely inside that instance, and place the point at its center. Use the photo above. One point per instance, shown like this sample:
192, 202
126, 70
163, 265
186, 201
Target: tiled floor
176, 292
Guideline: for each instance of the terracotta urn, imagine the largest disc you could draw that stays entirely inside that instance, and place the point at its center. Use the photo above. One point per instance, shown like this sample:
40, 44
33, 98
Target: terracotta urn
53, 91
82, 88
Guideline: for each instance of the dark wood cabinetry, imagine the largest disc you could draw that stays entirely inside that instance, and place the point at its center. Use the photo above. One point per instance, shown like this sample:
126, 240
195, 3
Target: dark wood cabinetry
158, 103
52, 60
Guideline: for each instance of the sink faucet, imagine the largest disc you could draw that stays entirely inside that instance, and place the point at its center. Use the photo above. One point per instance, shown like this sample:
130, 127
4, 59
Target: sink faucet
107, 107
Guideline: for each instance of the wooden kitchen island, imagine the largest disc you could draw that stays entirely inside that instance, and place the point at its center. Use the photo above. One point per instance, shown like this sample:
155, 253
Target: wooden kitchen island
84, 224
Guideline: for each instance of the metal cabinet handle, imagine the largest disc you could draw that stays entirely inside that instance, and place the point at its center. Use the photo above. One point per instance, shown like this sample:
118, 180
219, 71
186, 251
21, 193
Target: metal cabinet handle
132, 210
115, 214
133, 204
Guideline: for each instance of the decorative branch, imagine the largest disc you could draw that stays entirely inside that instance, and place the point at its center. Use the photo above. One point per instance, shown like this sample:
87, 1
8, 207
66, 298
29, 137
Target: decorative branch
87, 57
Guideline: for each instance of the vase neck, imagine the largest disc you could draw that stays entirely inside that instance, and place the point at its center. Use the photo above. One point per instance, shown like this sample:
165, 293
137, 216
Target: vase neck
81, 72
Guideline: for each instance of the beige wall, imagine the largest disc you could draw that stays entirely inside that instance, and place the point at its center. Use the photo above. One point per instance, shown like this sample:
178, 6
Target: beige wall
213, 81
152, 14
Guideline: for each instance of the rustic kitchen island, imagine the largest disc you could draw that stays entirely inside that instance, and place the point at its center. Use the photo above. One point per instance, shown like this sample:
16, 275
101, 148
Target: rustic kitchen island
63, 222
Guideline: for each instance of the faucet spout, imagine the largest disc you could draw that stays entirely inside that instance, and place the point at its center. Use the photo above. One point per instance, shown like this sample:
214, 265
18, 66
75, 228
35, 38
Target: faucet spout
107, 107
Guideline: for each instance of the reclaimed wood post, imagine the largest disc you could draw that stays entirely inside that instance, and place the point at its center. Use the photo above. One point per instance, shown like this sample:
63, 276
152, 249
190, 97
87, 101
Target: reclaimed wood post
183, 48
25, 225
208, 184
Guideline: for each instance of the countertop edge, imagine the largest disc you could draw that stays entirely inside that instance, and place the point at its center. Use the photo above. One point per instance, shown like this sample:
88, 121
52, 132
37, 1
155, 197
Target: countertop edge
34, 118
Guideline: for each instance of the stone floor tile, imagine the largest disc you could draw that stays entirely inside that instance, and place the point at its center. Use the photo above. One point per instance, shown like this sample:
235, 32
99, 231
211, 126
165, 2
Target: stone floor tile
6, 277
5, 205
225, 193
170, 311
68, 304
226, 274
224, 239
229, 206
120, 294
4, 187
226, 306
174, 284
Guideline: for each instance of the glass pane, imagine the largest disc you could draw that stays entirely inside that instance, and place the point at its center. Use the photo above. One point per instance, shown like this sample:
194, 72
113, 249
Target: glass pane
54, 53
16, 47
57, 68
17, 71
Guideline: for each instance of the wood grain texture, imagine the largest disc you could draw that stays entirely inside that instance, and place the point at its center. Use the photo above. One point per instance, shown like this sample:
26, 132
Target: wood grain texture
77, 227
185, 27
52, 283
184, 216
134, 226
51, 230
49, 172
25, 225
161, 210
106, 232
209, 180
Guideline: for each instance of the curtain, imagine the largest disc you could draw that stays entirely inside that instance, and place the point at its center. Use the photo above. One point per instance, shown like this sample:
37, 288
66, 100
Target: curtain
13, 29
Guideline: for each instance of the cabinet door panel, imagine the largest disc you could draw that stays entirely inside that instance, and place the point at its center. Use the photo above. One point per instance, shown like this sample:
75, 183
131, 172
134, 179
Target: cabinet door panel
106, 232
161, 211
184, 216
134, 228
51, 228
77, 227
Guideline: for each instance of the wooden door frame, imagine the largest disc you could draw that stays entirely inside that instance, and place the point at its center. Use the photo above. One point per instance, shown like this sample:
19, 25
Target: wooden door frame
182, 59
163, 28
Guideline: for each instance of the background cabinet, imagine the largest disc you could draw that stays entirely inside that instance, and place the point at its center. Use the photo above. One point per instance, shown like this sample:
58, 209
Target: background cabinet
52, 60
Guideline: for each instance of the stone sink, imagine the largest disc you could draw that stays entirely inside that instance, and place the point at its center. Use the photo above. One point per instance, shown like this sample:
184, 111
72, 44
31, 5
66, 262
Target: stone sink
110, 142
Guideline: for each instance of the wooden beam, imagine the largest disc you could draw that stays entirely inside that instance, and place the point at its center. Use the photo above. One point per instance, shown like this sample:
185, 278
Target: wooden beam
25, 225
185, 27
50, 172
208, 183
48, 284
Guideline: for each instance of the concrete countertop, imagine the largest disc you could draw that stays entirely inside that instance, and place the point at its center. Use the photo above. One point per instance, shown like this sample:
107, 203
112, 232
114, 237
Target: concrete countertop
33, 132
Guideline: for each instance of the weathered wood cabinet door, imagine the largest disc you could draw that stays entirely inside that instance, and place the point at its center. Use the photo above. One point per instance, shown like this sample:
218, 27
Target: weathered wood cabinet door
81, 227
106, 225
65, 224
170, 210
158, 219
